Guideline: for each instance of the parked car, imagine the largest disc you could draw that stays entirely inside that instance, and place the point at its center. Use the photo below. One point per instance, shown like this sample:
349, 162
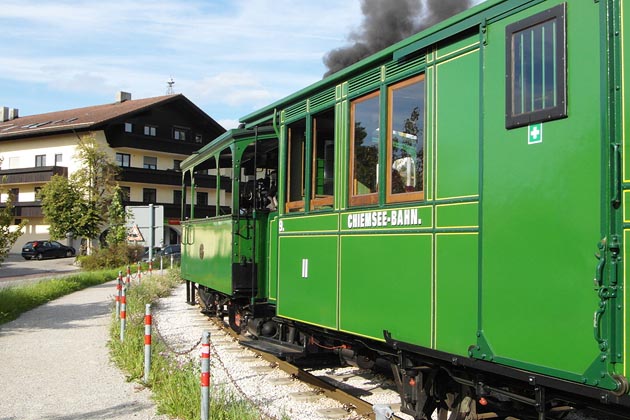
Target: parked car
145, 255
171, 250
46, 249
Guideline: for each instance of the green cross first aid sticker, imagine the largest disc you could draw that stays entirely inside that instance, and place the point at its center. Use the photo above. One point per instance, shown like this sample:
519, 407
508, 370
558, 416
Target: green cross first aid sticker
534, 133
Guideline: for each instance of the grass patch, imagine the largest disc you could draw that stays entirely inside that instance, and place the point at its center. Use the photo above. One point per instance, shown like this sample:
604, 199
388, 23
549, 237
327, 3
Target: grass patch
16, 300
173, 380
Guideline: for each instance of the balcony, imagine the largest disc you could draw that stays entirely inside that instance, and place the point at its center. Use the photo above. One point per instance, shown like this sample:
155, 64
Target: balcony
170, 177
39, 174
26, 209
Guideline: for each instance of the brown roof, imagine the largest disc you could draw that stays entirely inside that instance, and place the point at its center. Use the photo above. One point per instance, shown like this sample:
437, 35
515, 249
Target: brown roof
77, 119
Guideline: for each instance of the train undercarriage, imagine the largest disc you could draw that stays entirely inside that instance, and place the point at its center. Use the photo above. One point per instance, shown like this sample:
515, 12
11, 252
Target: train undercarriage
429, 382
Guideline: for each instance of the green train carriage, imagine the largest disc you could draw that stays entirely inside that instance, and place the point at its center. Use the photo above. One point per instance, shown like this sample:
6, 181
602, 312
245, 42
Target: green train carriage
455, 203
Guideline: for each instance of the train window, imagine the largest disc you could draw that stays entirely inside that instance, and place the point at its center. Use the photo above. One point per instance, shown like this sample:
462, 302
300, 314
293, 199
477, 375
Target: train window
225, 174
323, 173
405, 140
296, 168
536, 68
364, 149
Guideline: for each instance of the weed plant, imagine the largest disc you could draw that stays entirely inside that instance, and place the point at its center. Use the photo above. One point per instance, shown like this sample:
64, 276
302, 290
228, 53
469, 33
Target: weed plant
174, 380
16, 300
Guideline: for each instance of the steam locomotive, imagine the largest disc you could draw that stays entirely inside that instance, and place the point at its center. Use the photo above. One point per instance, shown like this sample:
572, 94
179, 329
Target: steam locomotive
454, 204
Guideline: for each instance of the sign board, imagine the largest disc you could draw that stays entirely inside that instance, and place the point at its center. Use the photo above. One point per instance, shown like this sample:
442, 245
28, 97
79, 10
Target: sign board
140, 222
534, 133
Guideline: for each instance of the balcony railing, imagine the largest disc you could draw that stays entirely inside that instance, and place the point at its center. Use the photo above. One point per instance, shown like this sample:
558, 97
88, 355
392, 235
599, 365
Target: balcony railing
32, 175
170, 177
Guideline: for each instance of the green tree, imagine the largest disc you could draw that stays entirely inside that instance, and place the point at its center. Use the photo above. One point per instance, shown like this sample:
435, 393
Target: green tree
8, 234
80, 204
117, 233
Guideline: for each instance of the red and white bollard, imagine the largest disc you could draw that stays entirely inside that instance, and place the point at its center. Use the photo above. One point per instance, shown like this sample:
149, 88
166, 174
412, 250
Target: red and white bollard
123, 313
147, 342
128, 275
118, 293
205, 375
139, 272
150, 268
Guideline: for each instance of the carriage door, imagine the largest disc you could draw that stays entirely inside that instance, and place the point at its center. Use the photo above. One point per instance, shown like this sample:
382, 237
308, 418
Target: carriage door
541, 194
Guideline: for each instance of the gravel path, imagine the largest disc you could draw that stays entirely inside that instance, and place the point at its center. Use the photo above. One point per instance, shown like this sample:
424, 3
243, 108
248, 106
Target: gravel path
54, 364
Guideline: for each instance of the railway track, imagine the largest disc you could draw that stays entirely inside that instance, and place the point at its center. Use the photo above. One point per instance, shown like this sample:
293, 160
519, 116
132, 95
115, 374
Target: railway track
352, 402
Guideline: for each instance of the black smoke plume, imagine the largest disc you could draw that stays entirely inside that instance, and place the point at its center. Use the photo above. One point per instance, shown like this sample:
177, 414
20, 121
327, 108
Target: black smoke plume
387, 22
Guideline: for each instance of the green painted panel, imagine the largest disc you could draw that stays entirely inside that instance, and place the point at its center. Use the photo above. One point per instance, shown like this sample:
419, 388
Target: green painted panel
456, 292
307, 279
312, 223
388, 219
385, 284
458, 215
541, 214
457, 144
207, 253
272, 260
453, 47
626, 206
626, 298
625, 66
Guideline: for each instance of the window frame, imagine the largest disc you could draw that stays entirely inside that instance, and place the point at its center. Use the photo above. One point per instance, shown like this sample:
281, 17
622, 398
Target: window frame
406, 196
40, 161
180, 133
323, 200
122, 160
149, 166
362, 199
128, 127
298, 205
58, 158
152, 191
150, 130
558, 111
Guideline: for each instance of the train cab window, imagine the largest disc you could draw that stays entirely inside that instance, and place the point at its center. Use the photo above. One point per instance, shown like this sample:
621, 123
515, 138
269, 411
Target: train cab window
296, 168
536, 68
225, 174
323, 173
405, 140
364, 149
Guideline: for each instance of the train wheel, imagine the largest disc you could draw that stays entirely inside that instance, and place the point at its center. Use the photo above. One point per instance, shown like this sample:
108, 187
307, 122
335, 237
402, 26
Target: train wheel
234, 318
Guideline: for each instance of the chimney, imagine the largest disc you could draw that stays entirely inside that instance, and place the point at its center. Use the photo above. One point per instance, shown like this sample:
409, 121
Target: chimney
8, 114
123, 96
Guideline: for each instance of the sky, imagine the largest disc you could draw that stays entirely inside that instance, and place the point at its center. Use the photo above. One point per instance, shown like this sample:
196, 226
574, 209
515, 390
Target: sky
229, 57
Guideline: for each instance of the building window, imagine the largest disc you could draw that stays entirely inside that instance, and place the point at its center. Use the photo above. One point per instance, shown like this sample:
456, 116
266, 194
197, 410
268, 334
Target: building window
125, 193
38, 193
177, 197
150, 162
202, 198
58, 158
150, 130
149, 195
123, 159
177, 165
198, 138
364, 150
40, 160
129, 128
179, 133
405, 140
14, 194
536, 68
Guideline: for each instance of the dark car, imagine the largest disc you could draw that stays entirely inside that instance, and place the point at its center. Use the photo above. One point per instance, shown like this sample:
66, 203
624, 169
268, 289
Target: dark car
46, 249
174, 251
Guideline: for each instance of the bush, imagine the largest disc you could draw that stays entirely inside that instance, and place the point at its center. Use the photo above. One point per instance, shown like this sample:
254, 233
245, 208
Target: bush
110, 257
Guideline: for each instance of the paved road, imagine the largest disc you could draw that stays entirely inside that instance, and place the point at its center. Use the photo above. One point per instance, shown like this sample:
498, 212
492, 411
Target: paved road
15, 270
54, 364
